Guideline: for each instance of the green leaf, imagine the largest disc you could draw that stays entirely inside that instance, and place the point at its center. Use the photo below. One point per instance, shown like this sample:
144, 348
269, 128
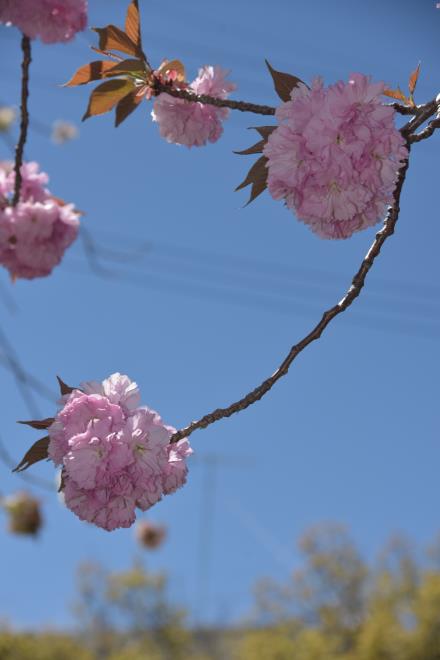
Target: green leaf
106, 96
38, 452
283, 82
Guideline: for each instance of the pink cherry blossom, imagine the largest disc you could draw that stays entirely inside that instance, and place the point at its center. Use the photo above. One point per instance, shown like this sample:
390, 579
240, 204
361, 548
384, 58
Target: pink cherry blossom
114, 456
35, 233
50, 20
194, 124
335, 155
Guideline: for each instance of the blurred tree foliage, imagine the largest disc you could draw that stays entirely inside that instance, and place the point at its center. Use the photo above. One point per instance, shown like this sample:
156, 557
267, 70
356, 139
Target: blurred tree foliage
335, 607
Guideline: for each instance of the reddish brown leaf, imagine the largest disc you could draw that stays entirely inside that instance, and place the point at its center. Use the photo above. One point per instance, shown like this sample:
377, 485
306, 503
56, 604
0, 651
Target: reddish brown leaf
396, 94
126, 106
127, 66
106, 96
112, 38
38, 452
255, 149
38, 423
413, 79
283, 82
65, 389
88, 72
264, 131
107, 53
257, 177
132, 23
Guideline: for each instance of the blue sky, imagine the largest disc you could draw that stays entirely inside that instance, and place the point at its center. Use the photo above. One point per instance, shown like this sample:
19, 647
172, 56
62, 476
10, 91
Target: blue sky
210, 299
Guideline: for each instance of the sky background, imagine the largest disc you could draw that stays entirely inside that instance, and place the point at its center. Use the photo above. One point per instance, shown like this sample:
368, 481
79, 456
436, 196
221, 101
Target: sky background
210, 299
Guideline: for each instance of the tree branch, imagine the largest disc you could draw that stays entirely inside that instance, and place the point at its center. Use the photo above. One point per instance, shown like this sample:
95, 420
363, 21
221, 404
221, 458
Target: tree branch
243, 106
427, 132
422, 114
24, 123
352, 293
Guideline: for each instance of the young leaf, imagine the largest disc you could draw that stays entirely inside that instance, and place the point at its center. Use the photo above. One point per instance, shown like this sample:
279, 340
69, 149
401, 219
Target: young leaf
396, 94
413, 79
112, 38
255, 149
65, 389
132, 23
106, 96
264, 131
126, 106
136, 67
38, 452
38, 423
257, 177
283, 82
92, 71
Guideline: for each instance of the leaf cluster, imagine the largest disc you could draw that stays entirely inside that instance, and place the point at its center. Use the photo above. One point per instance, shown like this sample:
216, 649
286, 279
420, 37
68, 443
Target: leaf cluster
412, 83
284, 83
126, 80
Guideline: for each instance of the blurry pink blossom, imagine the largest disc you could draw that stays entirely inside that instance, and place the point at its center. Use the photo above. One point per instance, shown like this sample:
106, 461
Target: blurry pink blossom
335, 155
35, 233
50, 20
194, 124
114, 456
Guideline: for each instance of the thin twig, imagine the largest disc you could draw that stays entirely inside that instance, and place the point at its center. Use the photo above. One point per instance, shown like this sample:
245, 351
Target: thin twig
358, 281
427, 132
243, 106
24, 123
352, 293
424, 113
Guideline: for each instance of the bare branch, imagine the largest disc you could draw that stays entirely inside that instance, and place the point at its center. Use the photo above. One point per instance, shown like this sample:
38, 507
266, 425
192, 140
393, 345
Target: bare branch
243, 106
352, 293
357, 284
427, 132
24, 123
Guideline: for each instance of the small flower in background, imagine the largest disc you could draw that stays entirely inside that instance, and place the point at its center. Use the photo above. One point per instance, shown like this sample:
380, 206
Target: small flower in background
7, 118
334, 157
149, 534
24, 514
64, 131
35, 233
50, 20
194, 124
115, 456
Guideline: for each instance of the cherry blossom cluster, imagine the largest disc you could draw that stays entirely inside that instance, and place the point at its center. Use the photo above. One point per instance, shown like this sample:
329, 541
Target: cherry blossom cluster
335, 155
190, 123
35, 233
50, 20
115, 456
